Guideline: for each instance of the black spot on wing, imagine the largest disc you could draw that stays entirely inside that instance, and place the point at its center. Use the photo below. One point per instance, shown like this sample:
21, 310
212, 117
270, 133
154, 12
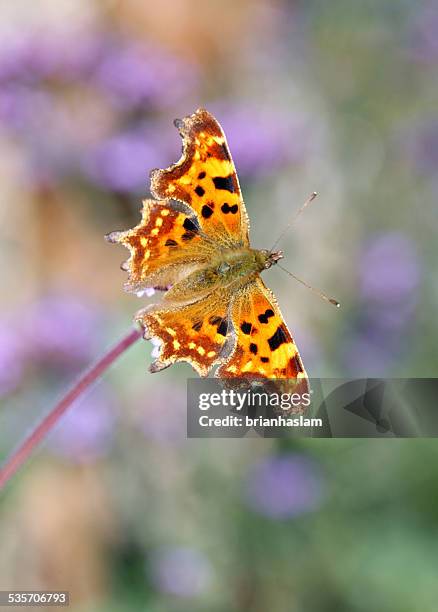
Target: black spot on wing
161, 288
200, 191
206, 211
170, 243
277, 339
189, 225
264, 359
221, 324
222, 328
253, 348
188, 236
226, 208
246, 327
264, 318
201, 175
197, 326
224, 182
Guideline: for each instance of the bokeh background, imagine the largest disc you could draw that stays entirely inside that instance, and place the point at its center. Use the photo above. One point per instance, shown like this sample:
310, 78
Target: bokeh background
118, 506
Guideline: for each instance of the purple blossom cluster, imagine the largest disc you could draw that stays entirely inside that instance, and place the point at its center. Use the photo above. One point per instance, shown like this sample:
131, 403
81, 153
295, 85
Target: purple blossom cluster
130, 81
31, 57
133, 74
138, 75
263, 140
121, 162
389, 279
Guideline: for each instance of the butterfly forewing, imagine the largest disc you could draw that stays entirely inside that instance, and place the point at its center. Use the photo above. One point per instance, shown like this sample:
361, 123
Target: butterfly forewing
264, 347
163, 247
205, 179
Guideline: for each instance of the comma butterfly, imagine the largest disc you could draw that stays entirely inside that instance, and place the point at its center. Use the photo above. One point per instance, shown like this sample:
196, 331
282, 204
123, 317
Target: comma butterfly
193, 243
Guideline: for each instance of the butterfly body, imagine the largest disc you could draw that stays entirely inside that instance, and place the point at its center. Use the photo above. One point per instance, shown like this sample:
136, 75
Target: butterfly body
230, 270
193, 242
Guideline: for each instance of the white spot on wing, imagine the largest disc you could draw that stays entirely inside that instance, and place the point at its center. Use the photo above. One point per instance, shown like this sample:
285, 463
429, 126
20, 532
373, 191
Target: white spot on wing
148, 291
156, 350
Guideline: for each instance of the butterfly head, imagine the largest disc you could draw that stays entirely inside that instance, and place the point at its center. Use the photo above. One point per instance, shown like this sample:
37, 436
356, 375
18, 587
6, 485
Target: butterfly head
269, 258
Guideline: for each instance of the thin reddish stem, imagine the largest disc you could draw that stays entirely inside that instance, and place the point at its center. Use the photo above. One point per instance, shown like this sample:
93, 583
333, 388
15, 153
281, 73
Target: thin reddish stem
22, 453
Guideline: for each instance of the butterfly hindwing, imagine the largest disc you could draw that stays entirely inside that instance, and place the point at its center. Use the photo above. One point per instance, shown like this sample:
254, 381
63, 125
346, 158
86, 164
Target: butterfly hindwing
205, 179
194, 332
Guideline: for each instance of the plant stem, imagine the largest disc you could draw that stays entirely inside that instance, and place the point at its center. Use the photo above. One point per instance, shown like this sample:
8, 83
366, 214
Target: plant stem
22, 453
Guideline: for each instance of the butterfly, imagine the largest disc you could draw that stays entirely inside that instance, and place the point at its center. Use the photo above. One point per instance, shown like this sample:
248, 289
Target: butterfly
193, 243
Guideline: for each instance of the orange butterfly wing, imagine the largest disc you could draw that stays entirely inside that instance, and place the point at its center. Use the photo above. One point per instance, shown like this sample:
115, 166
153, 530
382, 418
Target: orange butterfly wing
163, 247
264, 347
194, 332
206, 180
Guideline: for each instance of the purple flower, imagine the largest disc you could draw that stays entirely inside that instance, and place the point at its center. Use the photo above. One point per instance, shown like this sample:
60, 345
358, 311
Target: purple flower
61, 330
56, 138
19, 59
262, 140
11, 359
44, 129
284, 486
136, 75
123, 162
22, 108
85, 433
31, 57
389, 269
183, 572
72, 61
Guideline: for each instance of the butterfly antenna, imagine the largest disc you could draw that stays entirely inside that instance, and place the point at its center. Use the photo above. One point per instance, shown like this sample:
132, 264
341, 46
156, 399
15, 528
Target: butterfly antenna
317, 291
294, 218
